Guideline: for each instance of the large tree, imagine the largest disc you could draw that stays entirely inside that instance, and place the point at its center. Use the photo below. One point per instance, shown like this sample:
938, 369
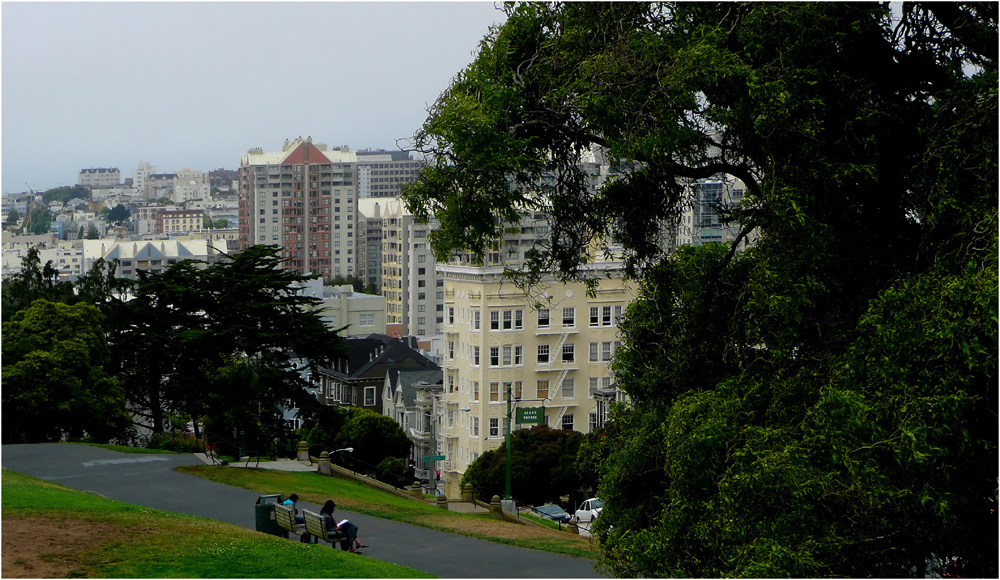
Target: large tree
228, 342
55, 378
825, 402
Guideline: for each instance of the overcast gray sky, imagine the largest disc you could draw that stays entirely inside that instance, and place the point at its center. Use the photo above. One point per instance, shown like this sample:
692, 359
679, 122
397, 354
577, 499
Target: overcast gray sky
194, 85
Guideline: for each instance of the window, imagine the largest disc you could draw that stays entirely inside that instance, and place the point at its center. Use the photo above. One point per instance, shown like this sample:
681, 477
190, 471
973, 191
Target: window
593, 352
593, 384
569, 316
475, 356
542, 390
618, 315
568, 388
543, 318
568, 354
506, 356
494, 356
518, 319
606, 316
451, 315
494, 320
421, 283
369, 396
591, 422
508, 319
606, 351
517, 389
567, 422
421, 271
475, 320
366, 319
451, 349
595, 319
475, 426
494, 392
518, 355
543, 353
475, 390
494, 427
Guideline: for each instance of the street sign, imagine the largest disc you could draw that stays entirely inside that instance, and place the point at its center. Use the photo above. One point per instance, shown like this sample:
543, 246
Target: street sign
534, 415
434, 457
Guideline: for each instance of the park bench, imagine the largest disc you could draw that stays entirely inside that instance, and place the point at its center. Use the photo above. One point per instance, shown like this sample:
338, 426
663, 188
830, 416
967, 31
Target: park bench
316, 526
284, 516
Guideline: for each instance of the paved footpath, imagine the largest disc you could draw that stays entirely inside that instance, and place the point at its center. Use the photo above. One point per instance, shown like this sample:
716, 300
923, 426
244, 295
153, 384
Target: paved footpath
150, 480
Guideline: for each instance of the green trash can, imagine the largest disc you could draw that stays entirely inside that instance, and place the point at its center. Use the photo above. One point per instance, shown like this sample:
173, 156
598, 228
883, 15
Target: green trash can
264, 511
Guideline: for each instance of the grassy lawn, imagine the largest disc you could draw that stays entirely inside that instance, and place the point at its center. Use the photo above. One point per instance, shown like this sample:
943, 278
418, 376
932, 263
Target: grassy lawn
51, 531
357, 497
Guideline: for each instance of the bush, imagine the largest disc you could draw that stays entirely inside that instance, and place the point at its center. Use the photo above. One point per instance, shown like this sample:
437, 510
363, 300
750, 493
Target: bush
392, 471
182, 443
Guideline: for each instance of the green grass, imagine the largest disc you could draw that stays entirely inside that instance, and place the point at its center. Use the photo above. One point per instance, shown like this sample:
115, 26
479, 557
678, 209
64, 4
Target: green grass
355, 496
138, 542
543, 521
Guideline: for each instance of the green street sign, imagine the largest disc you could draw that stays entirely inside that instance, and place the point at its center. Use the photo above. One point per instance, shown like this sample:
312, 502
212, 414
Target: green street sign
434, 457
534, 415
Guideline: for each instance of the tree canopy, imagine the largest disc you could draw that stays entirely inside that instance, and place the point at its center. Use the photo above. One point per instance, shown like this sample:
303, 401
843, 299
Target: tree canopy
823, 403
542, 465
56, 380
118, 214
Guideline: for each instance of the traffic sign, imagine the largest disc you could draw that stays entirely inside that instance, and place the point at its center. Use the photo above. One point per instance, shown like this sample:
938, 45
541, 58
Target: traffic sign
434, 457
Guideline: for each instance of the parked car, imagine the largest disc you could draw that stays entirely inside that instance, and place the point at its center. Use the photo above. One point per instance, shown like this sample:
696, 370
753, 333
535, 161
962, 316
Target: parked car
588, 512
553, 512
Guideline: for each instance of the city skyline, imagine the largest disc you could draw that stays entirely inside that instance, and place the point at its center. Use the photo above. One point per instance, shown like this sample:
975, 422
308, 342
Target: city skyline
195, 85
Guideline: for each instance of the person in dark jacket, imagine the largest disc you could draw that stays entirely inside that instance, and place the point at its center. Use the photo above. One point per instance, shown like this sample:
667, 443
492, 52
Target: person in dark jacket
353, 544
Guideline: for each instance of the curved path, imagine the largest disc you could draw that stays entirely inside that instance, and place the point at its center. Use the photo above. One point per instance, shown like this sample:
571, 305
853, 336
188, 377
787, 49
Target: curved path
150, 480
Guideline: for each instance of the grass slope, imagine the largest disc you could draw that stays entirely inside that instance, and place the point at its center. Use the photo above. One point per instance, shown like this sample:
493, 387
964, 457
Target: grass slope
357, 497
127, 541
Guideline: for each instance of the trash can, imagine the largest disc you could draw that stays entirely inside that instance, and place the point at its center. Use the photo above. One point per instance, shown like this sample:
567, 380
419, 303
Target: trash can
264, 511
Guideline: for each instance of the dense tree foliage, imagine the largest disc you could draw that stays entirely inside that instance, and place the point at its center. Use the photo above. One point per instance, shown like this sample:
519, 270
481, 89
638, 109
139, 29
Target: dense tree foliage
55, 378
12, 216
65, 193
228, 343
543, 467
39, 221
825, 402
34, 281
119, 214
374, 438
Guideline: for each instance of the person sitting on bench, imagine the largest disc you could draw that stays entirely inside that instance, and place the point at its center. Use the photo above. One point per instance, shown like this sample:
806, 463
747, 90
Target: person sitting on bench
290, 502
350, 530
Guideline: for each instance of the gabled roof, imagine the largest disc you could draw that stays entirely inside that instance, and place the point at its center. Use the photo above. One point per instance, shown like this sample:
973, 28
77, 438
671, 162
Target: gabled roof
407, 378
306, 152
378, 351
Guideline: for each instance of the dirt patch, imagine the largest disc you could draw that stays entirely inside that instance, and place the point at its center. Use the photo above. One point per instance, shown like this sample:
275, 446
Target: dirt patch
48, 548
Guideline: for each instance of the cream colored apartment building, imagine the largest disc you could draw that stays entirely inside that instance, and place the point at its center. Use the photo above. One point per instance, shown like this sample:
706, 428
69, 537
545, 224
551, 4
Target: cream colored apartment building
556, 357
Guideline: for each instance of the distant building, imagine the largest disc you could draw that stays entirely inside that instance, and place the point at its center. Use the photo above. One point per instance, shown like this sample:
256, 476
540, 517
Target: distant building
413, 291
99, 177
181, 221
151, 255
303, 199
358, 379
369, 239
223, 179
383, 173
140, 175
362, 314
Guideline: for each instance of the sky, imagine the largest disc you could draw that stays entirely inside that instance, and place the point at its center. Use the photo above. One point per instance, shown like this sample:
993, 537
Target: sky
195, 85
